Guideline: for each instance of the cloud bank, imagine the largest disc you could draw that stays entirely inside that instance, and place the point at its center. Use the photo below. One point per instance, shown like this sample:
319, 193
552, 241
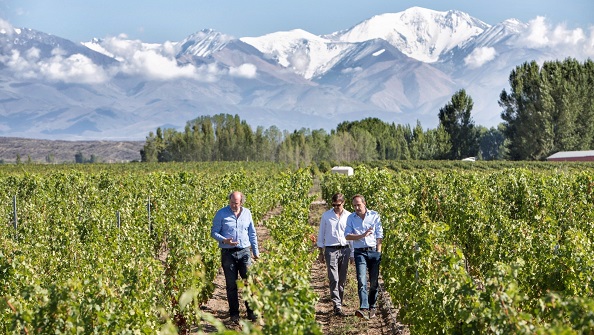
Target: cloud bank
480, 56
76, 68
151, 61
570, 43
158, 61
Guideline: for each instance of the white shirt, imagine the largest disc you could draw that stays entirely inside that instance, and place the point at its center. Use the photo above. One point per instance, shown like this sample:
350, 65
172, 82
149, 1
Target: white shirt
332, 227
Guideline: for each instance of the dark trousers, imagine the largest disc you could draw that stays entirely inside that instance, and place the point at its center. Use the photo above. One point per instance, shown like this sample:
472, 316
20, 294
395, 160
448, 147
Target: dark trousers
235, 263
337, 263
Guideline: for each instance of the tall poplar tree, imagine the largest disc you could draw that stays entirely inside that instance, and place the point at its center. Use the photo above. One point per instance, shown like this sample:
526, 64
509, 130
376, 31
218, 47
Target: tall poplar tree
456, 119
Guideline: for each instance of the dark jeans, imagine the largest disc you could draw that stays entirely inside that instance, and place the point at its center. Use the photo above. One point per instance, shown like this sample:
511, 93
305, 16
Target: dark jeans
235, 262
367, 261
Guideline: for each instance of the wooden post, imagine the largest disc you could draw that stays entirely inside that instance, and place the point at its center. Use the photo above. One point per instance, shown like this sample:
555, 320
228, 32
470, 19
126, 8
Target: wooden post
148, 208
14, 210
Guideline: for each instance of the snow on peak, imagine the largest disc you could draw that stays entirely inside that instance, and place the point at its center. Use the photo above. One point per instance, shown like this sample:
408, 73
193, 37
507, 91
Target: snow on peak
303, 52
204, 43
281, 40
420, 33
505, 30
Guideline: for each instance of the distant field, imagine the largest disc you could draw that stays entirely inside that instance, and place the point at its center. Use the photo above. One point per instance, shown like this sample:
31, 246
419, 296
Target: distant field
51, 151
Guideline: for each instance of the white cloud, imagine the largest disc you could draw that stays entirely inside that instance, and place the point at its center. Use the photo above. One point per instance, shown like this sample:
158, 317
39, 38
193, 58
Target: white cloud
566, 42
6, 27
74, 69
299, 60
244, 70
352, 69
154, 61
33, 54
21, 66
156, 66
480, 56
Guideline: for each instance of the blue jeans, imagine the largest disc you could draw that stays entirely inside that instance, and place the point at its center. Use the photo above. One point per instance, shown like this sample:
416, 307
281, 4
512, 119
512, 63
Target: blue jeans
367, 261
235, 262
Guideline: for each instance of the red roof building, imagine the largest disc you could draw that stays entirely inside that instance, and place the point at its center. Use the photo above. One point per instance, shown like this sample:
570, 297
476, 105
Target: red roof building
572, 156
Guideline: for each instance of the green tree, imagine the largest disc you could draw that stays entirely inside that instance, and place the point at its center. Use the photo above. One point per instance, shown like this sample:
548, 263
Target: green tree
455, 117
491, 143
342, 145
79, 158
152, 147
365, 145
50, 158
527, 114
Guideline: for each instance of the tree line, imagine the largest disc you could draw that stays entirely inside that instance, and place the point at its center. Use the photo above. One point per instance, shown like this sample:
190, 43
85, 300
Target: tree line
548, 109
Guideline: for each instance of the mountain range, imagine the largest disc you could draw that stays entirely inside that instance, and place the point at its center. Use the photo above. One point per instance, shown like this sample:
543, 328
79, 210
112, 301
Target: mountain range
400, 67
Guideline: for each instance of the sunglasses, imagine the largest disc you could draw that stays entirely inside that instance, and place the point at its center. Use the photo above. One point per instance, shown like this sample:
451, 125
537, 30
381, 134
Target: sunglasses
336, 205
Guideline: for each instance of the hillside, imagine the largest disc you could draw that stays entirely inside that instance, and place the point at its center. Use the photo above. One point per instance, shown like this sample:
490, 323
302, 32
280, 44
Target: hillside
55, 151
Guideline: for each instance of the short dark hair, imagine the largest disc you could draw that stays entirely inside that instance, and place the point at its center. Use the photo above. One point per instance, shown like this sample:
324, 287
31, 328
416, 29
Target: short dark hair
338, 197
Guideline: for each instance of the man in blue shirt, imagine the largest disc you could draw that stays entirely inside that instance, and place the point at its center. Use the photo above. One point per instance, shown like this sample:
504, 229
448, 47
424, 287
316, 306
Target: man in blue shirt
364, 228
335, 249
234, 229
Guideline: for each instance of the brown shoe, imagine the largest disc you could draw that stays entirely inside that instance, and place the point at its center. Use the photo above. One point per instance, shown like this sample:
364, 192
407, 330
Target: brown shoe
361, 314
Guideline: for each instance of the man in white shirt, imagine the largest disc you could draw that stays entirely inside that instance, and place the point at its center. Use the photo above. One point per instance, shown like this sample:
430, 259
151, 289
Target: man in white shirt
335, 249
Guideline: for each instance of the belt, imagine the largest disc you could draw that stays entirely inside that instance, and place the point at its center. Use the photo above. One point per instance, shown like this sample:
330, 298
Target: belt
365, 249
236, 249
337, 246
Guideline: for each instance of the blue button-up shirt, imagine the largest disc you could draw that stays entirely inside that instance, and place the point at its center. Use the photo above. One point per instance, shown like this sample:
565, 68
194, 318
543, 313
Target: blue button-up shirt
355, 225
241, 229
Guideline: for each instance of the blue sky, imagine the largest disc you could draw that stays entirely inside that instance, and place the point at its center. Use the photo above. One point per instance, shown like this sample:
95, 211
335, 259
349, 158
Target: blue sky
172, 20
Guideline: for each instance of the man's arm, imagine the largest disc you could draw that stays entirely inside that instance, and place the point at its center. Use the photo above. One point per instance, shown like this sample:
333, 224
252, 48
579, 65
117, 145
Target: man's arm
320, 241
215, 230
379, 234
321, 233
352, 237
253, 238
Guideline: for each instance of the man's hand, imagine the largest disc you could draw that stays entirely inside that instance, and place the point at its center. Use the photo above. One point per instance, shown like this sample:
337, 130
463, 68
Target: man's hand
230, 241
321, 255
367, 232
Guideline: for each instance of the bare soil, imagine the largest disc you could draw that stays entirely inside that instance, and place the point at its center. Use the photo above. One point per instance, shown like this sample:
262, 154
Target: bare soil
385, 322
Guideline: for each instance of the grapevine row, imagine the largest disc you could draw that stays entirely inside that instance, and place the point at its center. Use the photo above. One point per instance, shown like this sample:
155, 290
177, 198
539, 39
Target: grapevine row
68, 259
506, 251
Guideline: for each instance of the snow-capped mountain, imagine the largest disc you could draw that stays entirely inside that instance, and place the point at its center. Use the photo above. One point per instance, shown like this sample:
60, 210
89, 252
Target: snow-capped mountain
419, 33
399, 67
